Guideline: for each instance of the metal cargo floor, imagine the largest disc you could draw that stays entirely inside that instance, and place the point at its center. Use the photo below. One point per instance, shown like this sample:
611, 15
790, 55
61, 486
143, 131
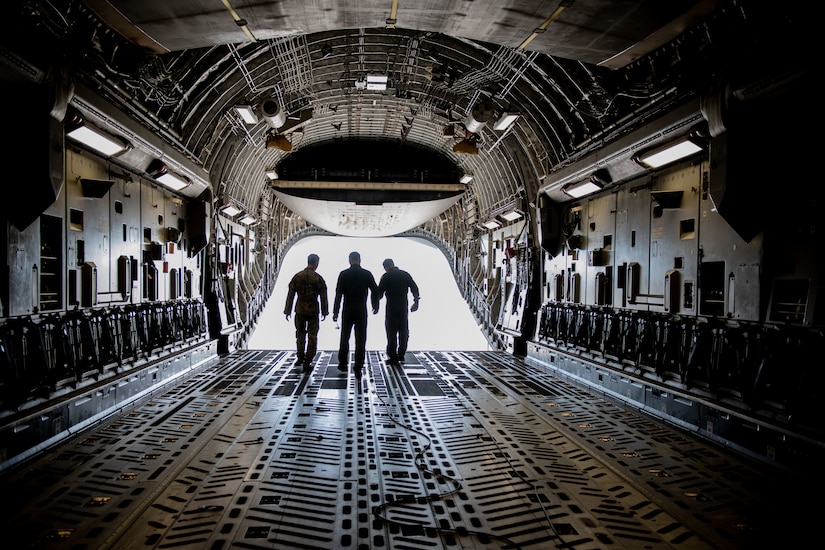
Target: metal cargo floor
453, 450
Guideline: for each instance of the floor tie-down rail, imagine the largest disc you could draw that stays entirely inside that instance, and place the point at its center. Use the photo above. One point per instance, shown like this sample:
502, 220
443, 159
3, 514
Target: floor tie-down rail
468, 450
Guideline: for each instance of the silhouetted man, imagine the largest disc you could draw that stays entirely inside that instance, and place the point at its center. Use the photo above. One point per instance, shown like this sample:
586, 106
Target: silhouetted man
396, 284
310, 288
353, 285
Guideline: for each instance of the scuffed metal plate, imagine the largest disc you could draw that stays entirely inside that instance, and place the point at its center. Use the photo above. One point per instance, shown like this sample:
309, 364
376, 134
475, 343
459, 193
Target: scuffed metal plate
592, 31
250, 453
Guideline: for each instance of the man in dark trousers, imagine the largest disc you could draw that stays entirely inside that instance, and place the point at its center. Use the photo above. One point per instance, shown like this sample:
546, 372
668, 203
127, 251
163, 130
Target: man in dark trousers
353, 285
396, 284
309, 287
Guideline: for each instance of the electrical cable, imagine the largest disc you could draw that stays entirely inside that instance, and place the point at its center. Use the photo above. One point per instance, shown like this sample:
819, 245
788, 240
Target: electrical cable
418, 460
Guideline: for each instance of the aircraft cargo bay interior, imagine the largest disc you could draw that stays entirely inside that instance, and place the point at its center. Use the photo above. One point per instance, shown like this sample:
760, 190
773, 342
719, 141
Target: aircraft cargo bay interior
411, 274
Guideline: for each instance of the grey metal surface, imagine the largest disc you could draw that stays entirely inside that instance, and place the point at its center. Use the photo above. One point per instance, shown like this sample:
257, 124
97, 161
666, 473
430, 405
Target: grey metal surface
452, 450
441, 57
591, 30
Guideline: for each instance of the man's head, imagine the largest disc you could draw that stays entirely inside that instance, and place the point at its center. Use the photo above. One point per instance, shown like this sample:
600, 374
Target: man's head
354, 258
388, 264
312, 260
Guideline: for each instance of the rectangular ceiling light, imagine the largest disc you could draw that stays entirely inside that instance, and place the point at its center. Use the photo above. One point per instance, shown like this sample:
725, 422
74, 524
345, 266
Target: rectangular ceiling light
160, 172
670, 152
231, 211
247, 113
512, 215
98, 140
583, 188
491, 224
247, 220
173, 181
466, 178
377, 82
272, 174
505, 121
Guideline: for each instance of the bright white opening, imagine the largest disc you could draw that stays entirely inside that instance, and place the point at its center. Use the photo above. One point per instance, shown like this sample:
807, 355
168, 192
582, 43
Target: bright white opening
442, 322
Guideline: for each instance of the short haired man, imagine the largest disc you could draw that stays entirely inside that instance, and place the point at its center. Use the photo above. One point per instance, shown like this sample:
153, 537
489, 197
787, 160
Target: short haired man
396, 284
353, 285
309, 287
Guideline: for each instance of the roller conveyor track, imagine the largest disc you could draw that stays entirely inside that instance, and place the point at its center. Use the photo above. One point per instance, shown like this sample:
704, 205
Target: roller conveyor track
473, 450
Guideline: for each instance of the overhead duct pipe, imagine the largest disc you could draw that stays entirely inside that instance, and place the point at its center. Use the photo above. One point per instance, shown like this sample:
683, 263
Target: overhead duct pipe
273, 113
478, 117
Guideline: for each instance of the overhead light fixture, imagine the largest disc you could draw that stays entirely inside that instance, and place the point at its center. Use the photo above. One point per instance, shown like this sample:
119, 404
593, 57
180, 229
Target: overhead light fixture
466, 178
247, 220
505, 121
582, 188
173, 182
247, 113
678, 149
377, 82
229, 210
491, 224
596, 182
272, 174
512, 215
160, 172
92, 136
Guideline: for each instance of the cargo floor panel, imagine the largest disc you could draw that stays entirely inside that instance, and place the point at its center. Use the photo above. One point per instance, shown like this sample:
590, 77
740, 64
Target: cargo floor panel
470, 450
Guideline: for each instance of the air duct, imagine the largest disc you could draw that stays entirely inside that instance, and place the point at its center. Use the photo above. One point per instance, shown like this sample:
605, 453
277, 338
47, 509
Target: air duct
478, 117
273, 113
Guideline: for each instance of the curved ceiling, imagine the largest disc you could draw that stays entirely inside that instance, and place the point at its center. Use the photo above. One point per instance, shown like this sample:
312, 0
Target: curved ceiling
579, 73
367, 188
592, 31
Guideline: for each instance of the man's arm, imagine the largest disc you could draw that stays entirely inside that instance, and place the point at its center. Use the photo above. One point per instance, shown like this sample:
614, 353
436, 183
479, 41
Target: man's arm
382, 286
413, 288
336, 306
324, 298
376, 299
290, 298
414, 291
